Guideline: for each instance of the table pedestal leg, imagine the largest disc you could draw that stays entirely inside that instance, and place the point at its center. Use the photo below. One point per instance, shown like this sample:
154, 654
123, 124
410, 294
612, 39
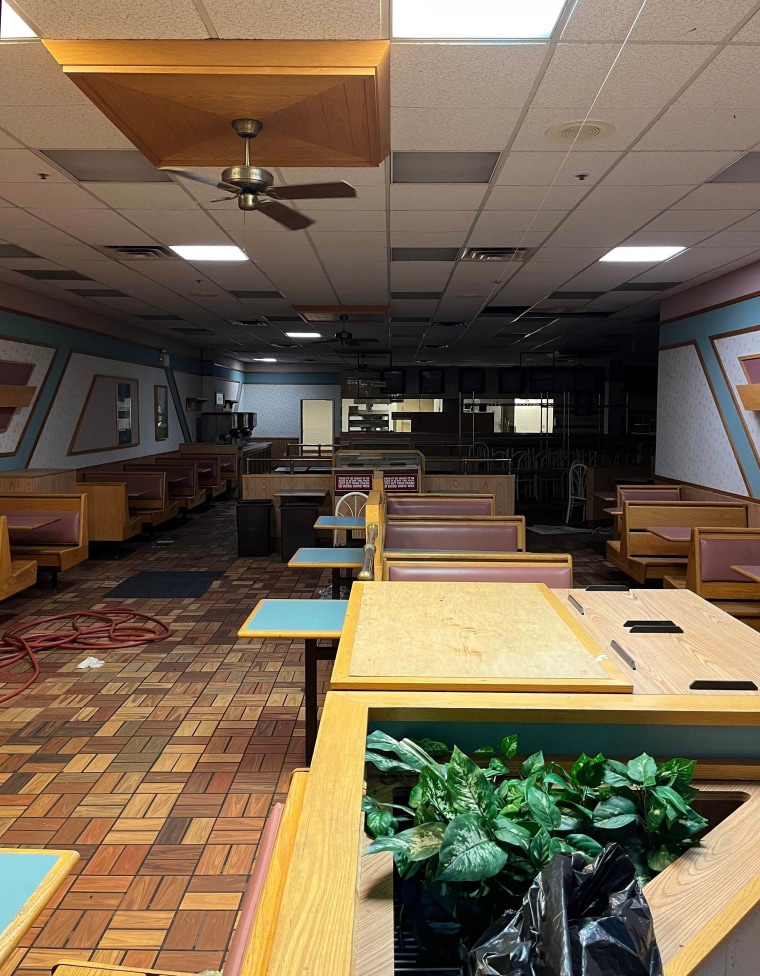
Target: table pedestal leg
337, 579
313, 653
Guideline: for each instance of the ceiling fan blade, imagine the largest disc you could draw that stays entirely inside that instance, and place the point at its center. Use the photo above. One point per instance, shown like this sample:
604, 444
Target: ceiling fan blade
222, 200
200, 179
283, 215
312, 191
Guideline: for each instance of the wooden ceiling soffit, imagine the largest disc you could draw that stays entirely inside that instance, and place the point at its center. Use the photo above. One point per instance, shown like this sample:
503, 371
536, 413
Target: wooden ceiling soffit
322, 103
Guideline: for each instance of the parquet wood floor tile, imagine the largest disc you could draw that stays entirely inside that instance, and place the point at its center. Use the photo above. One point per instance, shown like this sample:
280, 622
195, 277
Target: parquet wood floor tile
161, 766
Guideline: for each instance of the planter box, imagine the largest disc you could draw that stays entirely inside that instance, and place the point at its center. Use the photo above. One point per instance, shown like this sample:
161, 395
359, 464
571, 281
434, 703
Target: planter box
705, 905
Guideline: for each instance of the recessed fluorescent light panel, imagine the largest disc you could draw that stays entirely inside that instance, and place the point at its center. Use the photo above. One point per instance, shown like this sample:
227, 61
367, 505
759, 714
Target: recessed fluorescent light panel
266, 359
304, 335
209, 252
645, 255
12, 27
478, 20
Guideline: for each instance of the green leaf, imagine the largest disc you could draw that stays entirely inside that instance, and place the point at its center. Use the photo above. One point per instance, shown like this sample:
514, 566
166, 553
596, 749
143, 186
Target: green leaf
379, 822
508, 746
642, 769
588, 770
585, 844
469, 788
656, 810
615, 773
613, 813
424, 840
467, 852
540, 848
676, 772
669, 796
416, 796
533, 764
409, 753
511, 833
542, 808
434, 790
484, 752
387, 764
434, 748
398, 845
661, 857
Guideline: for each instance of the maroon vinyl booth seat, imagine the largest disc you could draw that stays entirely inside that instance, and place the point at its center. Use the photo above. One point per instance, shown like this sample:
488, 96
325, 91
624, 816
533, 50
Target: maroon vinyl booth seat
717, 556
147, 492
649, 495
444, 536
65, 531
422, 505
558, 577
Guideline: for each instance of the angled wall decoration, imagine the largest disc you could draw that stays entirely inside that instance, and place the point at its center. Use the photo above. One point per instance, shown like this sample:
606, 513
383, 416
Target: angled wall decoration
322, 103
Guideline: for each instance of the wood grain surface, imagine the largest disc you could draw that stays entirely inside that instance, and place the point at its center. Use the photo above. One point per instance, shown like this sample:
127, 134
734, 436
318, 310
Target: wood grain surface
505, 636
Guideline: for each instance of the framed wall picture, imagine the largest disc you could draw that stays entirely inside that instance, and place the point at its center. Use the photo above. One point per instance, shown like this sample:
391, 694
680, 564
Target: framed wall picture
219, 399
161, 412
124, 412
109, 418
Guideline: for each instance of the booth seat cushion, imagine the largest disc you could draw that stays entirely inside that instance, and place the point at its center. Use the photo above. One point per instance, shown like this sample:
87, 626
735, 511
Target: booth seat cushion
451, 536
554, 576
438, 506
716, 556
650, 495
63, 532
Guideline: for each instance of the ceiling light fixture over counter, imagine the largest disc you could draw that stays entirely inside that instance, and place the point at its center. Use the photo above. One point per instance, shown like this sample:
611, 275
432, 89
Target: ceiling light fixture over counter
502, 20
644, 255
304, 335
265, 359
209, 252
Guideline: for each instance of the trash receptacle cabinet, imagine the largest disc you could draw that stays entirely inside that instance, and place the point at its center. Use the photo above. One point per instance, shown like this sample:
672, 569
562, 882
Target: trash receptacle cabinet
254, 526
297, 527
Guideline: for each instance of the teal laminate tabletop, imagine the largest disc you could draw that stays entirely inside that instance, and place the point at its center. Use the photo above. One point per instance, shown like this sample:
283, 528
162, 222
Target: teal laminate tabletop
29, 880
340, 522
296, 618
342, 557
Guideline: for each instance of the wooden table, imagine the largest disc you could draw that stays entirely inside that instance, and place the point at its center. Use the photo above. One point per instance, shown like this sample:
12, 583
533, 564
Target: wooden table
338, 559
671, 533
605, 496
713, 645
294, 494
309, 621
751, 572
30, 878
468, 637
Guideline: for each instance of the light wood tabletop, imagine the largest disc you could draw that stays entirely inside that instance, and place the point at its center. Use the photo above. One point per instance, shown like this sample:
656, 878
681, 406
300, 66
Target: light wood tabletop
751, 572
713, 646
30, 879
468, 636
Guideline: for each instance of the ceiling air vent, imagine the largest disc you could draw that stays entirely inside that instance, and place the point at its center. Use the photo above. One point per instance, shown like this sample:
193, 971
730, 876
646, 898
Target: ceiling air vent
498, 253
247, 323
138, 252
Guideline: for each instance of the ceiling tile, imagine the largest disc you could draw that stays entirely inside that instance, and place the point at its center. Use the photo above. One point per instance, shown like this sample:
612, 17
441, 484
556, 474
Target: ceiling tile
683, 20
650, 75
367, 198
517, 221
353, 255
31, 76
432, 221
142, 196
107, 165
179, 226
115, 19
678, 238
23, 166
735, 238
420, 275
532, 198
62, 127
544, 169
29, 231
642, 197
95, 226
356, 176
686, 126
667, 168
750, 33
676, 220
491, 232
731, 79
286, 19
6, 142
591, 227
629, 124
428, 129
421, 239
349, 239
443, 167
436, 196
480, 75
722, 196
424, 254
47, 194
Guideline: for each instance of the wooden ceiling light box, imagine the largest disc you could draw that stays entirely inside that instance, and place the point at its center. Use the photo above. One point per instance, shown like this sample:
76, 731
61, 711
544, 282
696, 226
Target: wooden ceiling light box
322, 103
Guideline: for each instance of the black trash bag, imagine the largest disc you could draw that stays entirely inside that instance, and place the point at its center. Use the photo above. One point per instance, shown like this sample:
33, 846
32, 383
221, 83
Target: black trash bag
577, 919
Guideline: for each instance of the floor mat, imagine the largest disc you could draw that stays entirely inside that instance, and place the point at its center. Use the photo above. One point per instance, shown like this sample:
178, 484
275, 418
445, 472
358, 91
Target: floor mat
156, 586
555, 529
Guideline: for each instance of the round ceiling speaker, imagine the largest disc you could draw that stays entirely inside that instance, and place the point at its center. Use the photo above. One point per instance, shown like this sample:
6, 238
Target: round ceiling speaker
580, 131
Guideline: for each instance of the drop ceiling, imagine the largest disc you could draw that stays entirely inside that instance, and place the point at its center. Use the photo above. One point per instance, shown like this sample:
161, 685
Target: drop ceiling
679, 88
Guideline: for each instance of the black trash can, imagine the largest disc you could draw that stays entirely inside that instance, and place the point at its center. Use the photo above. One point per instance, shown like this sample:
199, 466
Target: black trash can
297, 527
254, 521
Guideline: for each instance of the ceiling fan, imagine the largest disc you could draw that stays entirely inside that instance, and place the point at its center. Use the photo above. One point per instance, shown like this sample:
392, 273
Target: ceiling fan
344, 337
253, 186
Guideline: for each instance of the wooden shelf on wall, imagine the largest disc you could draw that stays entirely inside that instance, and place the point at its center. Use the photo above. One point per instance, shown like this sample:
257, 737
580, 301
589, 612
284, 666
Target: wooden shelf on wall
16, 396
750, 395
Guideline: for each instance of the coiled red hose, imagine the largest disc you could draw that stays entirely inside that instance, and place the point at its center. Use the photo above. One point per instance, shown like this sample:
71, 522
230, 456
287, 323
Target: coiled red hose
113, 629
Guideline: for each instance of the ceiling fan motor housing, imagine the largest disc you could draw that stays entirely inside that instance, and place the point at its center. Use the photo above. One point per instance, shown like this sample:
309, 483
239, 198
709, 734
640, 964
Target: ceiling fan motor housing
252, 179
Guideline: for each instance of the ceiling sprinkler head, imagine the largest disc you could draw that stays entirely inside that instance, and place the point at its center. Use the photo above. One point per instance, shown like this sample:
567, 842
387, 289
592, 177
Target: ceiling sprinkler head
581, 177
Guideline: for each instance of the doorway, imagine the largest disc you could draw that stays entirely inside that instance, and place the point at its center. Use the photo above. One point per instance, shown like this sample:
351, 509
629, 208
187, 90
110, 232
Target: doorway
317, 427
